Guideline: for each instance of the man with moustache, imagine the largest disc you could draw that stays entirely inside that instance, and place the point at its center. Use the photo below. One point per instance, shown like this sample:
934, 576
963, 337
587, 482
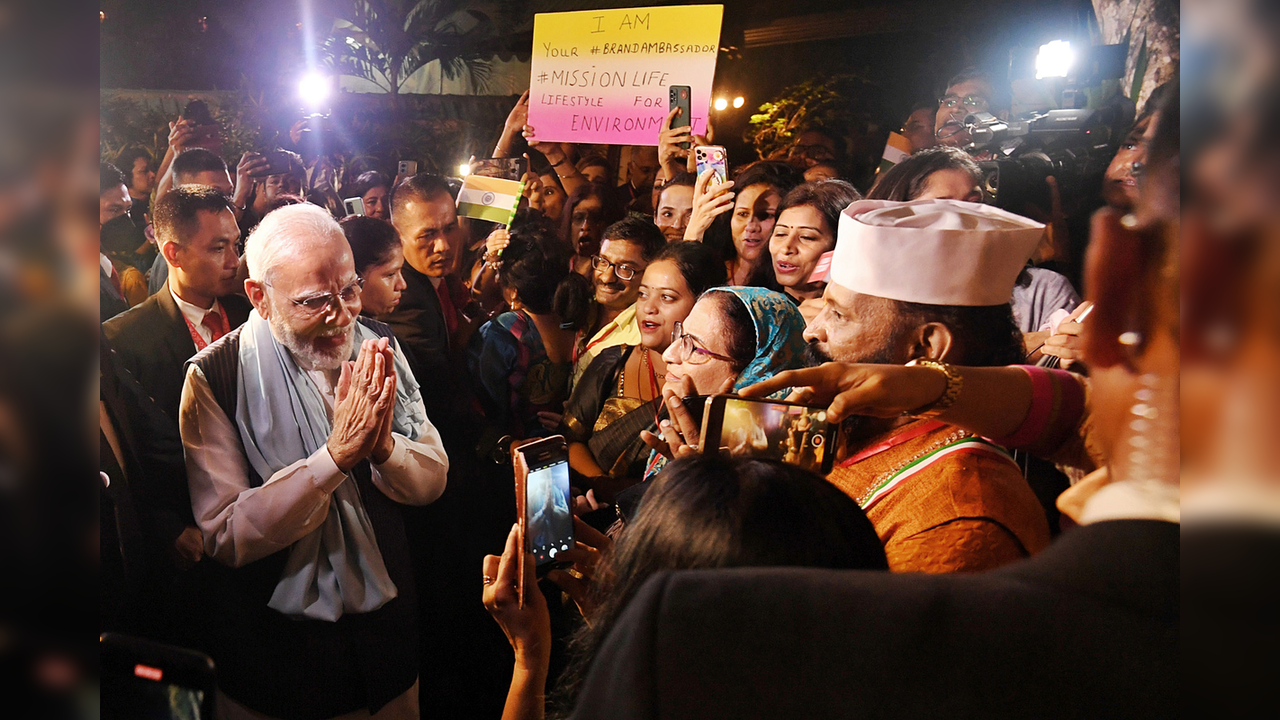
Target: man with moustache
626, 249
305, 433
928, 282
969, 91
197, 235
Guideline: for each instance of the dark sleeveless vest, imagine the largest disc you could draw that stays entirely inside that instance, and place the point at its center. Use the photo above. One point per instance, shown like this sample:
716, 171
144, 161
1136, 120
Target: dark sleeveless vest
302, 669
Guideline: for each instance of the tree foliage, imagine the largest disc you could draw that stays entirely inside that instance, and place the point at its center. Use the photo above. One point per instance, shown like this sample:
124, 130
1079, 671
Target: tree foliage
387, 41
837, 103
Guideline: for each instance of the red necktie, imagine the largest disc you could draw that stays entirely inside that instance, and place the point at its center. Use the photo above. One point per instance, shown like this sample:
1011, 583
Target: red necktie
215, 323
446, 306
115, 281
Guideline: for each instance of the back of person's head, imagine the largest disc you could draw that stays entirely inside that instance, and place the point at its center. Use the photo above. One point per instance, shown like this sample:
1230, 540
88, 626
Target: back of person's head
535, 265
640, 232
373, 241
700, 266
111, 177
367, 181
190, 163
176, 214
775, 173
422, 186
907, 180
709, 512
828, 197
680, 178
129, 157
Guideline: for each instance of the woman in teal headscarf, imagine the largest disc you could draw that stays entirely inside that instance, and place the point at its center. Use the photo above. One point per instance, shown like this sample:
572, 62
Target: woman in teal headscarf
733, 337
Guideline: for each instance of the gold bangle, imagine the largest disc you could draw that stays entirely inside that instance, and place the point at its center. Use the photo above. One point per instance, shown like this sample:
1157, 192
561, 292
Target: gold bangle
948, 397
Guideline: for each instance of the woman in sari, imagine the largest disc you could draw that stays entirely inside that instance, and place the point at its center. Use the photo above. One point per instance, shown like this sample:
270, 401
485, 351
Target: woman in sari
620, 392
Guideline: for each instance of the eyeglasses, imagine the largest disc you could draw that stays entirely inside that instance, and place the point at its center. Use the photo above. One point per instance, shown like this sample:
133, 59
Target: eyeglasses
975, 102
603, 264
317, 304
688, 351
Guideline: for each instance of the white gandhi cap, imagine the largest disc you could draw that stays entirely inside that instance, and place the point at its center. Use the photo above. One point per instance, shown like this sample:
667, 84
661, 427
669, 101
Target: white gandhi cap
938, 252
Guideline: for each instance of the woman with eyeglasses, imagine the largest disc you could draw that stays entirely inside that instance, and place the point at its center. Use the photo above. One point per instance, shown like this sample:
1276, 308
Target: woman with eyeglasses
620, 392
375, 247
587, 212
734, 337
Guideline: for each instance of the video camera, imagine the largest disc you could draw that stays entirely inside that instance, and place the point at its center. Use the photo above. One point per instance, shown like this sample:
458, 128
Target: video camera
1073, 145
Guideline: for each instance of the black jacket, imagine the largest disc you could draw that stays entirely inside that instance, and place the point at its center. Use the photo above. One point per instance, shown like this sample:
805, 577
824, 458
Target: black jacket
1088, 628
151, 343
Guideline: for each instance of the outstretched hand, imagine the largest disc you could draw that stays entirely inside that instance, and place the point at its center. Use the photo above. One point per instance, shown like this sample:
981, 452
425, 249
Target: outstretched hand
857, 389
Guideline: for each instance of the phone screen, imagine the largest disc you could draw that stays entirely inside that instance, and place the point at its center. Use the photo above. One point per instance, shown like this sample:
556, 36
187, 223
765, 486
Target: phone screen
548, 514
794, 434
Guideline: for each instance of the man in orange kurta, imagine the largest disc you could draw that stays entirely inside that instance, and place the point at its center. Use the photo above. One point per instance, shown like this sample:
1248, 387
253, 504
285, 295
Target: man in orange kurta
944, 501
930, 280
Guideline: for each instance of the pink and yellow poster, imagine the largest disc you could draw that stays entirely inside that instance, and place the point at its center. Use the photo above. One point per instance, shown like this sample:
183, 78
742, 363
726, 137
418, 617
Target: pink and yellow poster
601, 76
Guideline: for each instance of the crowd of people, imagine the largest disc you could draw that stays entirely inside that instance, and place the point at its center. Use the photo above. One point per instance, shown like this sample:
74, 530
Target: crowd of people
308, 419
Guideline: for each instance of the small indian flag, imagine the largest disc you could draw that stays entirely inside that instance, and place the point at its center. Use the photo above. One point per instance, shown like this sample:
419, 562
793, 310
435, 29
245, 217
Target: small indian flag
895, 151
486, 198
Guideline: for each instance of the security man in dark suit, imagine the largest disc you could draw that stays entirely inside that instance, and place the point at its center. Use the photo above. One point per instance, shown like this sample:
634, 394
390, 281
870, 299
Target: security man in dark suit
197, 233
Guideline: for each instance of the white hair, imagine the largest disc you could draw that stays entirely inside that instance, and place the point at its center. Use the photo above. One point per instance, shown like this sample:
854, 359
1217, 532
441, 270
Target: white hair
285, 231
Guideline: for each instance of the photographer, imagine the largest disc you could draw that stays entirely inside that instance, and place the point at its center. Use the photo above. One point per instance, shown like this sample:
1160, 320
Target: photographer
969, 91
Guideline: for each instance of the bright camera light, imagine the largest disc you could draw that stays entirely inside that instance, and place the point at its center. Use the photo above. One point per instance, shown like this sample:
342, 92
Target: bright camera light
464, 169
721, 103
739, 101
313, 89
1054, 59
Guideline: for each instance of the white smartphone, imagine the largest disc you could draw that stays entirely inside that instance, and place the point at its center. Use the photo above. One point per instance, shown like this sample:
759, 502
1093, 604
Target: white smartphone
354, 206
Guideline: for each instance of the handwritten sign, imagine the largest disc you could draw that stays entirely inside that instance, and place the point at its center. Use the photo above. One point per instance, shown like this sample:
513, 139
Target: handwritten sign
602, 76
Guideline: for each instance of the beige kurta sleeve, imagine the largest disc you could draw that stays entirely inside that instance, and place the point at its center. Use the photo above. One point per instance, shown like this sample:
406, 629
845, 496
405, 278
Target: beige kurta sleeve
240, 523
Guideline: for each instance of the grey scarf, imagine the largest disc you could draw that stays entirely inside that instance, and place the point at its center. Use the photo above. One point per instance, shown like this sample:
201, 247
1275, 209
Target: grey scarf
283, 418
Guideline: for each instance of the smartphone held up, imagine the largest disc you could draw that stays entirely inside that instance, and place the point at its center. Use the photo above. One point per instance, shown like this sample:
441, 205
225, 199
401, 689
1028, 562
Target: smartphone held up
750, 427
544, 508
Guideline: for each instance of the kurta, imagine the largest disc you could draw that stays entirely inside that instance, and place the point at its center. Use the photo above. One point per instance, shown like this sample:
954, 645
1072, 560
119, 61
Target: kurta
943, 501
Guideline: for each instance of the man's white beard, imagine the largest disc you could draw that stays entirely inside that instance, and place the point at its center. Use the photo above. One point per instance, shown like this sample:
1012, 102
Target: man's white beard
304, 351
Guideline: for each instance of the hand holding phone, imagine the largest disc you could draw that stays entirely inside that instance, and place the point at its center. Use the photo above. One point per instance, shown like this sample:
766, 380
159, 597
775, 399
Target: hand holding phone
715, 159
795, 434
526, 625
543, 507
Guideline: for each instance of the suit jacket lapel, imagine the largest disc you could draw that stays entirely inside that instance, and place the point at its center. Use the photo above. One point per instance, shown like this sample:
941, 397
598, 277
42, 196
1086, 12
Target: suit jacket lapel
177, 336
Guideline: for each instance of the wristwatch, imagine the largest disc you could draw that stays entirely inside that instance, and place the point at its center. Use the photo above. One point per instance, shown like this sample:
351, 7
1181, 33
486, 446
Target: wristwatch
949, 395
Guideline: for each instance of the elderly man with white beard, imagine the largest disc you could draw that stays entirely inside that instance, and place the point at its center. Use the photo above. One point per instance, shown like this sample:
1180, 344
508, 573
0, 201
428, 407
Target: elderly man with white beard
303, 431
